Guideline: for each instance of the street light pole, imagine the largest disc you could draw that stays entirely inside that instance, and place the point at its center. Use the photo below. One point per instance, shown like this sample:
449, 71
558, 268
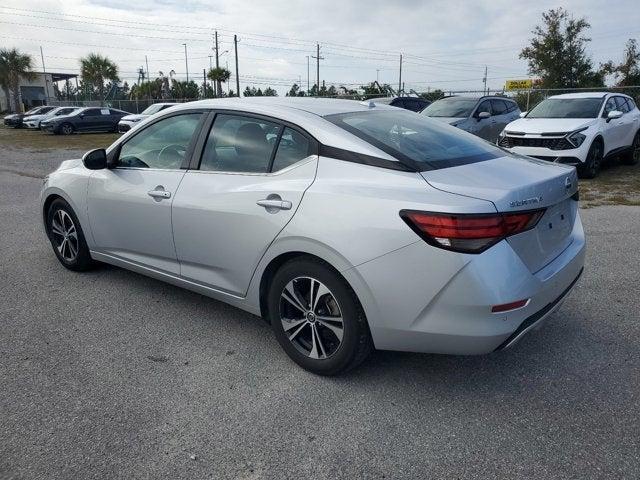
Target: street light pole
235, 43
186, 61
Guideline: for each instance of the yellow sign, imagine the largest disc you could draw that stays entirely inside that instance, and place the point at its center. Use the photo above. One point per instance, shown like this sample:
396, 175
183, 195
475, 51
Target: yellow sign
518, 84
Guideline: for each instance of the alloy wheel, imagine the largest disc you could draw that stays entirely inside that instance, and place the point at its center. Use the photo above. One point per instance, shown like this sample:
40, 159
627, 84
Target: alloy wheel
65, 235
311, 317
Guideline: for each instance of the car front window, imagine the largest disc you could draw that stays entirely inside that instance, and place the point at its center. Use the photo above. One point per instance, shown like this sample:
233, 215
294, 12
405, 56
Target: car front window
162, 145
415, 139
450, 107
566, 108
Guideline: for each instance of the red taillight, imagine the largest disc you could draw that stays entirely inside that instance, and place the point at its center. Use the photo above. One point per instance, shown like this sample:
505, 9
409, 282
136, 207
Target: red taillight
506, 307
469, 233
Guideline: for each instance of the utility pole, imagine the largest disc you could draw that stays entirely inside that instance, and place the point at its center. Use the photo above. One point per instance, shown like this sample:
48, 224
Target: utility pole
235, 44
400, 78
484, 81
186, 61
44, 70
308, 75
318, 58
204, 80
146, 61
218, 89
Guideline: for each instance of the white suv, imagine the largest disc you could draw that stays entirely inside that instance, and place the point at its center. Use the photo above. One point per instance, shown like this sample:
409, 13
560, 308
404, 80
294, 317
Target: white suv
580, 129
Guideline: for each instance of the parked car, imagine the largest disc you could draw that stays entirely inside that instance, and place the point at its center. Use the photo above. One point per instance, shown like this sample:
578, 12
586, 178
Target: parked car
343, 224
415, 104
88, 119
580, 129
15, 119
33, 121
485, 117
129, 121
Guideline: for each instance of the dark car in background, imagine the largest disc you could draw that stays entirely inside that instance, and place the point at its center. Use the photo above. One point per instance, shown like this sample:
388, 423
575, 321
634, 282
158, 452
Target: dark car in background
15, 120
88, 119
415, 104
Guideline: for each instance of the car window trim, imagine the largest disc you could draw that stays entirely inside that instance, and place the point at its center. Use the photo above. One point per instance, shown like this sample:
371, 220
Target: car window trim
206, 130
114, 155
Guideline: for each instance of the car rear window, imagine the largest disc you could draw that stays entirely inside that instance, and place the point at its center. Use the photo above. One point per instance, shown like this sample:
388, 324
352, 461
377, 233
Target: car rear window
416, 140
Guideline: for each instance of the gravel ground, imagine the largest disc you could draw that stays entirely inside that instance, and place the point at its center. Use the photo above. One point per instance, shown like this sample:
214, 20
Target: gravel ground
109, 374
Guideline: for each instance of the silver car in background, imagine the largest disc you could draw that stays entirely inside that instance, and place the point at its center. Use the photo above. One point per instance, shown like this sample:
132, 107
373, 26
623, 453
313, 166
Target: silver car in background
33, 121
347, 226
485, 117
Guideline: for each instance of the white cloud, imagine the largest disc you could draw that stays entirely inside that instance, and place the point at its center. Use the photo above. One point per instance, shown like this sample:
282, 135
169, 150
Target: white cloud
446, 43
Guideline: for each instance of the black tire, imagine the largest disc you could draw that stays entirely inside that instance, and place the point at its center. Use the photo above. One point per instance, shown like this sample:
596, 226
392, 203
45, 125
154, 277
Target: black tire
81, 260
632, 157
66, 129
355, 344
591, 167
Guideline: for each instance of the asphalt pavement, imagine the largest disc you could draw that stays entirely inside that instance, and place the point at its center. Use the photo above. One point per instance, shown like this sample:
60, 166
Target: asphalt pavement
109, 374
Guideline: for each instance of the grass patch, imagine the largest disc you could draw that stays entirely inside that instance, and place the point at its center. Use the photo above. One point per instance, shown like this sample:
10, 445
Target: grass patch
617, 184
21, 138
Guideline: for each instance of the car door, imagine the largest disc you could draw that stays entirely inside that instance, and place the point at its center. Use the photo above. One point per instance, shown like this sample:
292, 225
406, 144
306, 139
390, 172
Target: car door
500, 117
629, 121
483, 127
88, 119
613, 129
129, 205
229, 208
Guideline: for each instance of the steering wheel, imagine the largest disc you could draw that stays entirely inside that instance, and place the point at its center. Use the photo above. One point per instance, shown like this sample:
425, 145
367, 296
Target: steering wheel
174, 153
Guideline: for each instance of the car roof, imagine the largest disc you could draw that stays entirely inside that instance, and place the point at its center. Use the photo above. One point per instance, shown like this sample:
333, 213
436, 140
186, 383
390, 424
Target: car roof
316, 106
583, 95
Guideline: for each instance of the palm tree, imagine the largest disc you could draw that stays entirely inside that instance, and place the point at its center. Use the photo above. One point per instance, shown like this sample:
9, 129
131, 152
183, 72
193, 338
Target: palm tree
219, 75
95, 69
13, 66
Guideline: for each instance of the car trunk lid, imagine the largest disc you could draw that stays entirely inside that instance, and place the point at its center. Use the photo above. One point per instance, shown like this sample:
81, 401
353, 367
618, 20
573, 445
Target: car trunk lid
516, 183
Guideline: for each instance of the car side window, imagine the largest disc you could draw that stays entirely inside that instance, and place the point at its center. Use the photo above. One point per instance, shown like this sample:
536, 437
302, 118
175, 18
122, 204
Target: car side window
511, 106
484, 107
239, 144
292, 148
162, 145
498, 107
610, 106
621, 102
92, 112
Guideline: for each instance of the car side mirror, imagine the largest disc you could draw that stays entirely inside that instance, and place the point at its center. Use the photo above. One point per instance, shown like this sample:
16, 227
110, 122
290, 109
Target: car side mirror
483, 115
81, 115
523, 114
613, 114
95, 159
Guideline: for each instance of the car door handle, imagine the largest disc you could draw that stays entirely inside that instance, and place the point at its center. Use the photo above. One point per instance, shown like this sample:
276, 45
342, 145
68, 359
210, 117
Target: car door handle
272, 204
159, 194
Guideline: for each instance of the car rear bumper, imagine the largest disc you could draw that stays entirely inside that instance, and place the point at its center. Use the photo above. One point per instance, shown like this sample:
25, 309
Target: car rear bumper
424, 299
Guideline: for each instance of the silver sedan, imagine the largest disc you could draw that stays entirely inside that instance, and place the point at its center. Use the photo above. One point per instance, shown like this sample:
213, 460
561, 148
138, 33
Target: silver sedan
347, 226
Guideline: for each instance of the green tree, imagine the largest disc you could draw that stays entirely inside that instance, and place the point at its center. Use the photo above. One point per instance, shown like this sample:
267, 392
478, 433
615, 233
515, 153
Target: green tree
151, 89
14, 65
628, 72
295, 91
270, 92
219, 75
184, 89
557, 53
434, 95
95, 69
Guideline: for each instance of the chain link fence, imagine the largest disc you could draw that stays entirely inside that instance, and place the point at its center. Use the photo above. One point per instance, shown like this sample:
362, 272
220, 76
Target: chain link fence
526, 99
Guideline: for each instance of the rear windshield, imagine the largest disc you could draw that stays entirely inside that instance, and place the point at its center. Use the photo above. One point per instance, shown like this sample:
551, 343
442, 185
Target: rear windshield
451, 107
567, 108
417, 141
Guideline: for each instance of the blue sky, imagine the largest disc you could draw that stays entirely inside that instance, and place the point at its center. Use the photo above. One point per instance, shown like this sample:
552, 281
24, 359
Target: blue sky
445, 44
